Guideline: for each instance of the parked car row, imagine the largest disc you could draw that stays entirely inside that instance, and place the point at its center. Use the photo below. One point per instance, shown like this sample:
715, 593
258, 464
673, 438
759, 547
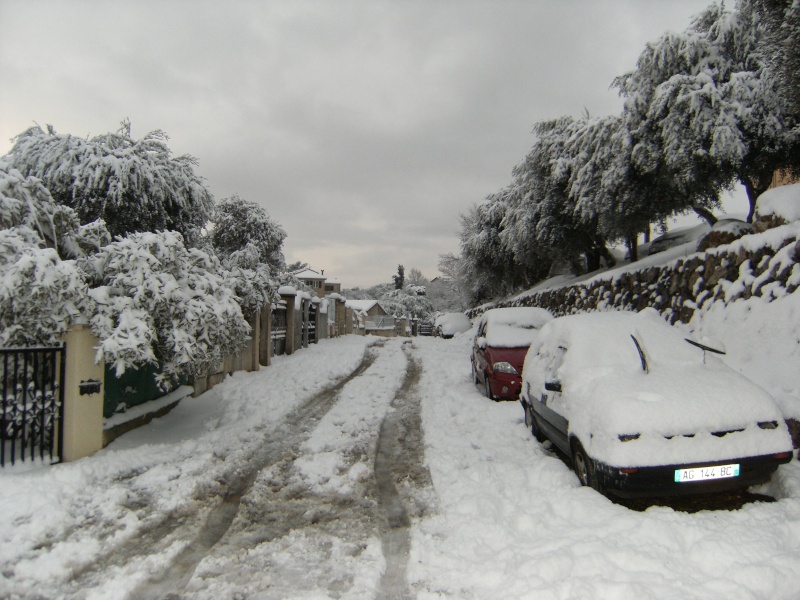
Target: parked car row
639, 408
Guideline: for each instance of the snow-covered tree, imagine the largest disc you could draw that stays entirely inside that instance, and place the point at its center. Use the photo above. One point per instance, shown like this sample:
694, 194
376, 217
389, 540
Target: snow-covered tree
400, 303
250, 279
159, 302
24, 201
132, 185
561, 225
780, 44
415, 277
708, 98
491, 263
449, 293
297, 266
239, 223
39, 292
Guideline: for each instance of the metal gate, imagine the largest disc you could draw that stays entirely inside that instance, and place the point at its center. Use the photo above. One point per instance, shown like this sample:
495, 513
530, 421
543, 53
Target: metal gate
32, 404
278, 330
312, 324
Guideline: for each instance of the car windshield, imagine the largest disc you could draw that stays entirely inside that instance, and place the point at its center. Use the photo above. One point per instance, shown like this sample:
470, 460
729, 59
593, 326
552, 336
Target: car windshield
625, 340
514, 327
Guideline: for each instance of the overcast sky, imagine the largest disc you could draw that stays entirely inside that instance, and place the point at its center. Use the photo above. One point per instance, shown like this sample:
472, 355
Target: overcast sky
364, 128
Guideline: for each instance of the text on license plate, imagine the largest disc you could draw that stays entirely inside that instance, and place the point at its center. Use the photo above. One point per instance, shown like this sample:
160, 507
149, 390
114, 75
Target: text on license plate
703, 473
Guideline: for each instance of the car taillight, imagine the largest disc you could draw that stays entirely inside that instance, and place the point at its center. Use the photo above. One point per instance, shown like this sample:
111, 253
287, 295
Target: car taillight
782, 455
628, 470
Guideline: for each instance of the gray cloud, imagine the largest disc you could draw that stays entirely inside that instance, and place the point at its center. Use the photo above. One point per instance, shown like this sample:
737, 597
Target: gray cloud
364, 128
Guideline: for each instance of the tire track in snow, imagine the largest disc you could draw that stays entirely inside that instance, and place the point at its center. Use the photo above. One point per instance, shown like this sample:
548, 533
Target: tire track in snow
283, 440
399, 462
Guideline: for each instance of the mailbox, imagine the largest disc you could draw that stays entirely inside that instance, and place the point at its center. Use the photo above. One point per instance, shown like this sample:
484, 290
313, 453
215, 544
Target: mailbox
89, 387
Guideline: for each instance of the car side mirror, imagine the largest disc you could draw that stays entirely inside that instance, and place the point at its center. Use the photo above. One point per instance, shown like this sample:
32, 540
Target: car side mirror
553, 386
481, 341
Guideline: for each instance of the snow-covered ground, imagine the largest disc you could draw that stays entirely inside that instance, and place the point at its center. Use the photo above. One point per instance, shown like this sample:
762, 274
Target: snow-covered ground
266, 487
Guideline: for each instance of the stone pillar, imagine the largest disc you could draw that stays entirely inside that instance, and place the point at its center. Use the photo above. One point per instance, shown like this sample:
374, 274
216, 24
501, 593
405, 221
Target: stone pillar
84, 389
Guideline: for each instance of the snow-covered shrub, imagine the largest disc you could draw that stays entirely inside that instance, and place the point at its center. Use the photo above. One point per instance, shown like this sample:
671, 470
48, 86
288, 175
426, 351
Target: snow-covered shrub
239, 223
25, 201
162, 303
400, 303
39, 293
249, 279
133, 185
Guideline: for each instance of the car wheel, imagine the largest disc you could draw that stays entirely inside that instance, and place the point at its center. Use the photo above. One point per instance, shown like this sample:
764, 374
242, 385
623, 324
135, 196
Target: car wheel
584, 467
530, 423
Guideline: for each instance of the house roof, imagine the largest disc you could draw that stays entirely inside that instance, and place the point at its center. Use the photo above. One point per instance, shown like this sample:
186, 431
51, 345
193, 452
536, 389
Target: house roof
364, 305
312, 274
309, 274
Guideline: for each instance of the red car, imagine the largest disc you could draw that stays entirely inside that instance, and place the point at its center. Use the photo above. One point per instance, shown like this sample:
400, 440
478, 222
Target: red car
501, 343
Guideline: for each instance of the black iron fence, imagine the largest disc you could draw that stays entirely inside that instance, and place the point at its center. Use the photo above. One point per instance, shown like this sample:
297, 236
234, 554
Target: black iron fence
32, 404
311, 325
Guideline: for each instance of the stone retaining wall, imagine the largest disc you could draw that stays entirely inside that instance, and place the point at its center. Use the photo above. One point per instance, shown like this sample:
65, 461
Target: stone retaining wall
737, 271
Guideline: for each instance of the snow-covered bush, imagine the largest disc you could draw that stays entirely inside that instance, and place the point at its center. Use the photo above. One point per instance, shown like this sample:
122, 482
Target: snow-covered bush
249, 278
239, 223
162, 303
25, 201
39, 293
133, 185
400, 303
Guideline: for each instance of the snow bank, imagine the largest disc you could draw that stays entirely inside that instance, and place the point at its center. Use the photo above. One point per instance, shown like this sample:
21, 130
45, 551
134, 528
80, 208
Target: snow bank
782, 201
514, 523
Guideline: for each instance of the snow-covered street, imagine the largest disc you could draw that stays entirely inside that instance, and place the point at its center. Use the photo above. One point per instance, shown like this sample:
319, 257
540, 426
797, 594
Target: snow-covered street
368, 468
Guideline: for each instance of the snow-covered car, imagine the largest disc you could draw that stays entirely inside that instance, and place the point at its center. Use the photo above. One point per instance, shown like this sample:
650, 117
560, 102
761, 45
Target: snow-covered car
677, 237
501, 342
643, 410
449, 324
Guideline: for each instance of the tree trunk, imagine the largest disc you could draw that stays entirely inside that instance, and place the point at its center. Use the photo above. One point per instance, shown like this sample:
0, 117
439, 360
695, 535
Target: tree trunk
633, 248
706, 214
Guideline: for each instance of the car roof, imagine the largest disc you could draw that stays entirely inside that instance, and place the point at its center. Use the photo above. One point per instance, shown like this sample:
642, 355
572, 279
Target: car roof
517, 316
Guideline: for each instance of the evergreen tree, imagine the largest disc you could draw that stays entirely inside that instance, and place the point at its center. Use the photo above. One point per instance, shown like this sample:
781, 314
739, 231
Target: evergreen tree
239, 223
132, 185
708, 100
400, 278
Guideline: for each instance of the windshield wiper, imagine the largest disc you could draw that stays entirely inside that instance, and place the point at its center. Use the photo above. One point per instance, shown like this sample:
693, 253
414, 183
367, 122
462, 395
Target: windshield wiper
641, 354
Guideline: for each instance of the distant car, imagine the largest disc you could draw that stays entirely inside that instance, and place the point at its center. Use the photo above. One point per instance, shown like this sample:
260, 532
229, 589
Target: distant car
678, 237
449, 324
642, 410
498, 352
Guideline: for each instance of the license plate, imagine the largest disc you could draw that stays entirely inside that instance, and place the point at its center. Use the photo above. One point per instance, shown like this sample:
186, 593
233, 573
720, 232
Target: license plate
705, 473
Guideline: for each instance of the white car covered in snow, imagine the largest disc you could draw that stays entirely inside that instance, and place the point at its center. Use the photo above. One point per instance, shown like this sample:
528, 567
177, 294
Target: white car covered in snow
641, 410
450, 324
